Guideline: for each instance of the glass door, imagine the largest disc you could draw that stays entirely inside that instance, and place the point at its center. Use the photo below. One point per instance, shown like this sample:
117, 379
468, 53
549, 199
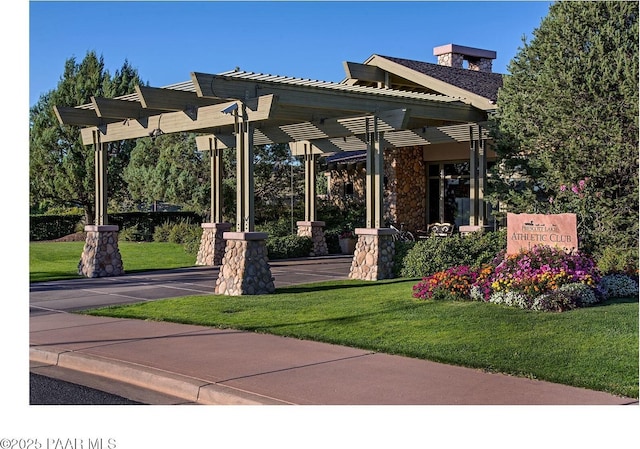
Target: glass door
449, 193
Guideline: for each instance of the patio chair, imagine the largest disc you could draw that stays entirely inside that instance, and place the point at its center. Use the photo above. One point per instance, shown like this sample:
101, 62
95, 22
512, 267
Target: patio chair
440, 229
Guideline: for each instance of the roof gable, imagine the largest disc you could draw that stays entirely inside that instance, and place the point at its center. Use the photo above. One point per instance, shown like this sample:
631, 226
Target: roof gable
480, 83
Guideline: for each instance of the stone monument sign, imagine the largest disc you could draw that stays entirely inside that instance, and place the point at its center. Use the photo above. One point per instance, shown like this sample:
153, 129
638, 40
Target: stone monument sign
524, 231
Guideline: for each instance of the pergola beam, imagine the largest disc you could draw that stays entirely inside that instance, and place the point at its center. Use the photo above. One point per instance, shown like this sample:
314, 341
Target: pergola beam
120, 109
171, 99
398, 139
78, 117
171, 122
325, 129
337, 98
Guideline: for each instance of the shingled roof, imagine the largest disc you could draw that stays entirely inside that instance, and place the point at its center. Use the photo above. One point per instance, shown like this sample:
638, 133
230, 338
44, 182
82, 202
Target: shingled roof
480, 83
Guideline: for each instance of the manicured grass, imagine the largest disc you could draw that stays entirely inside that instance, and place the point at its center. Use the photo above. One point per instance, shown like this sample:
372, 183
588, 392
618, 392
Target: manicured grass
595, 348
59, 260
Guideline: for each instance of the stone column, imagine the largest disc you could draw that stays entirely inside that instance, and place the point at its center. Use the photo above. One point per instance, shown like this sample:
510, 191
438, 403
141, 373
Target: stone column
101, 256
212, 243
373, 256
245, 266
314, 230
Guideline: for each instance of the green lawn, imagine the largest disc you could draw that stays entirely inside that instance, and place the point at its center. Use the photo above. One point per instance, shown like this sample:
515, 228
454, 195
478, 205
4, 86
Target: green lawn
595, 348
59, 260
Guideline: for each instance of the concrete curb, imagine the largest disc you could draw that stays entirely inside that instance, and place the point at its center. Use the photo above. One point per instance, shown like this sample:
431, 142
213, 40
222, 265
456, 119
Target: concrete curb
190, 389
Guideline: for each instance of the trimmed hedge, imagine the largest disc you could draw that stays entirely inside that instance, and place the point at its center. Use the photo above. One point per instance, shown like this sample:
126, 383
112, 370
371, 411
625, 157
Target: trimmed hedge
49, 227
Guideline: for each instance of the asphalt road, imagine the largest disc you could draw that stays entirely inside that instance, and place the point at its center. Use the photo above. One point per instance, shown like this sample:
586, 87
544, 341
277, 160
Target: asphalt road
48, 391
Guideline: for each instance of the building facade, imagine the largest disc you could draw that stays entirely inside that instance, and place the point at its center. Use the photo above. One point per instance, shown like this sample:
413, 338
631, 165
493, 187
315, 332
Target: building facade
444, 179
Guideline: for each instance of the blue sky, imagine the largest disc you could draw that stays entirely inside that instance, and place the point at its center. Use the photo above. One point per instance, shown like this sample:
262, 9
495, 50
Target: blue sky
166, 41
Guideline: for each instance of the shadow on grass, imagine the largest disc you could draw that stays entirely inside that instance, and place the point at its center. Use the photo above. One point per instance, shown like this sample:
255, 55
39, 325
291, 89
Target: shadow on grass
46, 276
338, 320
614, 301
336, 285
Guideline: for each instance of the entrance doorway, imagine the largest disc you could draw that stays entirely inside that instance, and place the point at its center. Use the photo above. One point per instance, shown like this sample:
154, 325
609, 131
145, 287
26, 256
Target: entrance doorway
449, 192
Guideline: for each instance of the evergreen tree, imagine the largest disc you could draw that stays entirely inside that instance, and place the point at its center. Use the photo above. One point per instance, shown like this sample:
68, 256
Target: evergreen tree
61, 168
169, 168
566, 130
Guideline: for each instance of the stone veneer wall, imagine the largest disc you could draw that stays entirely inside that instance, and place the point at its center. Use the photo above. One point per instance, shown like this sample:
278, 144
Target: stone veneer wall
408, 187
405, 193
457, 60
212, 244
481, 65
373, 256
101, 255
314, 230
451, 60
245, 266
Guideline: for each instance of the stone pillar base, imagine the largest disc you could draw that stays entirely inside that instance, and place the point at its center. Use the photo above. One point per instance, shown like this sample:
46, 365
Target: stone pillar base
212, 243
314, 230
245, 266
373, 256
101, 256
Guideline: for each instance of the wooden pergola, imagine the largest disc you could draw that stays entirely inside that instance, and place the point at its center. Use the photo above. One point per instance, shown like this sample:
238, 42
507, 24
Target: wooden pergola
241, 109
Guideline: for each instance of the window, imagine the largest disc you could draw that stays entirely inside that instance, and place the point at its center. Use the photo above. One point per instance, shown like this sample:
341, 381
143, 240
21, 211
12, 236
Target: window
449, 193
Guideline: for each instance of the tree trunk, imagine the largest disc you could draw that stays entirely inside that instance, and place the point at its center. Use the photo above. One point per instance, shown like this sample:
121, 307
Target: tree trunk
89, 214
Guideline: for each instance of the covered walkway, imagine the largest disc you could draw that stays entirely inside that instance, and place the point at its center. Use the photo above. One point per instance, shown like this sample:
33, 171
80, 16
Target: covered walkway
241, 109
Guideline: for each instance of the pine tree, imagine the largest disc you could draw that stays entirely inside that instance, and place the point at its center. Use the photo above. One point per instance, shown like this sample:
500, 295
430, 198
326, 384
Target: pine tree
61, 168
169, 168
568, 112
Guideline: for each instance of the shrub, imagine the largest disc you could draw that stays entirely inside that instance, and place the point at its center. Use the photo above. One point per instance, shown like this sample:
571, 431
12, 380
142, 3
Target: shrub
49, 227
430, 255
288, 247
276, 228
333, 243
618, 260
161, 232
184, 233
401, 251
132, 234
617, 286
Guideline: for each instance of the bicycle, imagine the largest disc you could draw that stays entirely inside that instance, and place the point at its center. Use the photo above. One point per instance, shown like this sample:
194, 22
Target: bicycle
401, 234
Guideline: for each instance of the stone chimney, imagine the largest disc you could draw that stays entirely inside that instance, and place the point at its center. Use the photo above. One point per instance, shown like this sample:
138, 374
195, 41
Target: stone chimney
452, 55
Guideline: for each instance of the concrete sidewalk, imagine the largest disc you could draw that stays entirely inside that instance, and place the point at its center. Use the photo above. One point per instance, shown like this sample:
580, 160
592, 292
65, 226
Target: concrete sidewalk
215, 366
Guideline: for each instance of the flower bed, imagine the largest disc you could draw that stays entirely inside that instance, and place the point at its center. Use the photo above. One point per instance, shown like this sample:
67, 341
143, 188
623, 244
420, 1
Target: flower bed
543, 278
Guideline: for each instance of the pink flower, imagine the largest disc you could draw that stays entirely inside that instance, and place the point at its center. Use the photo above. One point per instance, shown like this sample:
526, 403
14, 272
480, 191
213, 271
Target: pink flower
563, 188
574, 189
